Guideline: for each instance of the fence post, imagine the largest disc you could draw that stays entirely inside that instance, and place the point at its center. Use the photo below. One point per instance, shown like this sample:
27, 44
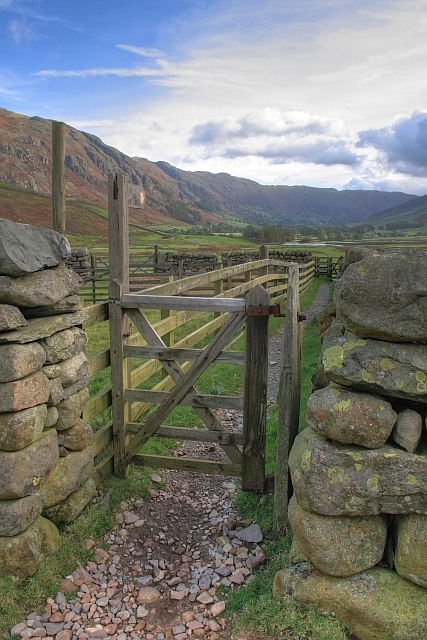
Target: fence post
255, 393
93, 267
263, 255
156, 257
118, 218
230, 279
288, 399
58, 176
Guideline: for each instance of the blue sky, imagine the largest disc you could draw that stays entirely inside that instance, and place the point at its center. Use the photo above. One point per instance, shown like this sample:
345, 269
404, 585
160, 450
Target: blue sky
328, 93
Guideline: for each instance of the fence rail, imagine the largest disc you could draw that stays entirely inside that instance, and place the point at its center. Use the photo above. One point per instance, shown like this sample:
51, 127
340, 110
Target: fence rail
145, 273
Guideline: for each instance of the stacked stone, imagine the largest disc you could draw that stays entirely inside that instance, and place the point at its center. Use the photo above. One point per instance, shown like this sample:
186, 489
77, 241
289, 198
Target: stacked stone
359, 469
209, 261
302, 256
191, 261
45, 448
79, 260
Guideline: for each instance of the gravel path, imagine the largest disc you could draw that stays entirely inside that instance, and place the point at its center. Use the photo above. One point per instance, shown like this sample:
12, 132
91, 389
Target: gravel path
166, 558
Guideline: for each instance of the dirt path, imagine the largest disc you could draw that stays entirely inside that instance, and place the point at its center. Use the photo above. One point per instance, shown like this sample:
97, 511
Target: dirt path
166, 558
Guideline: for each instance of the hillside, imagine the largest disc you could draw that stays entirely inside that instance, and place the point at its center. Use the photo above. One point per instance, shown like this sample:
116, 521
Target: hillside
171, 193
412, 211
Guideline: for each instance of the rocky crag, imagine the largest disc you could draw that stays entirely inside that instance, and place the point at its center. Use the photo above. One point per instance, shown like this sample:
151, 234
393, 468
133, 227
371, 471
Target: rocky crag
46, 458
359, 510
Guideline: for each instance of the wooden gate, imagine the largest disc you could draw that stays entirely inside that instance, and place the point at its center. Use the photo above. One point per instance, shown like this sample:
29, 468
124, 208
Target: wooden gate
245, 451
219, 293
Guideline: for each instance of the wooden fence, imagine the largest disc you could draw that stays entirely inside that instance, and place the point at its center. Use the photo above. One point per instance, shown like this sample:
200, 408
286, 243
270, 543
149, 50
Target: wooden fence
178, 305
146, 272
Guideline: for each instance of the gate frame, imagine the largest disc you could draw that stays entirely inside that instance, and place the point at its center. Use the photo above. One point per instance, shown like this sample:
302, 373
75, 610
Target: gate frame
123, 306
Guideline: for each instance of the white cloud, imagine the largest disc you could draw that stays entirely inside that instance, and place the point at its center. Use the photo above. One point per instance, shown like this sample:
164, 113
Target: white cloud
22, 31
401, 146
275, 91
91, 73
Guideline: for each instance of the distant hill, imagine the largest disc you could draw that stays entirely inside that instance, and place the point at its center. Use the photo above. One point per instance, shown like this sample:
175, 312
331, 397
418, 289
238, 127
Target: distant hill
412, 211
171, 194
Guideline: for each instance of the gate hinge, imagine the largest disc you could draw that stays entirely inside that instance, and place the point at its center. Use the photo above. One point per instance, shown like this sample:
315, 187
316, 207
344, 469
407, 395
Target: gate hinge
259, 486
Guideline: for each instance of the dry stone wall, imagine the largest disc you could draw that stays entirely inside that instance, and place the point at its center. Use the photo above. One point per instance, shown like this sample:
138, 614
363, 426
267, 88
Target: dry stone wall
46, 458
192, 261
359, 469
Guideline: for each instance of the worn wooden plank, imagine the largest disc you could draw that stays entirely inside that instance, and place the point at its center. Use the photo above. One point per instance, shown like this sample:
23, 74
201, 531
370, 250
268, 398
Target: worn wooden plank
179, 286
97, 404
184, 384
99, 361
173, 353
255, 394
190, 400
102, 438
288, 401
188, 303
58, 176
97, 313
195, 434
103, 469
187, 464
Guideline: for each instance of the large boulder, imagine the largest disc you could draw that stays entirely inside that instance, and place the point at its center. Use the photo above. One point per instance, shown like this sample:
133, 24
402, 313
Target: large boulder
70, 304
376, 366
21, 555
24, 393
77, 438
408, 430
21, 428
410, 557
25, 249
64, 344
23, 472
350, 417
11, 318
19, 360
73, 505
67, 476
18, 515
338, 546
43, 288
334, 479
384, 296
70, 409
38, 328
377, 604
74, 369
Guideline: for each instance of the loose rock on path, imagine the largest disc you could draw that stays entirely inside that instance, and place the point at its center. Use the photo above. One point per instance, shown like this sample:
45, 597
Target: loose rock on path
170, 560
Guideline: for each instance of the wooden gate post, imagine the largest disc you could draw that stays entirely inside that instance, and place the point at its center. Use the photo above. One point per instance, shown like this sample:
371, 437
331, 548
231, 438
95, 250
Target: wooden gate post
288, 400
58, 176
118, 228
255, 393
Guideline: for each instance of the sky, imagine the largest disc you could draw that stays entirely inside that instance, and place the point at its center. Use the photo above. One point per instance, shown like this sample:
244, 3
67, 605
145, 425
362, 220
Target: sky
325, 93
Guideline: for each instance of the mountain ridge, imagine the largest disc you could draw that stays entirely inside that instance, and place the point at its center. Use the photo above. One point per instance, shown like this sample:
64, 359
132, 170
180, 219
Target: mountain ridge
172, 194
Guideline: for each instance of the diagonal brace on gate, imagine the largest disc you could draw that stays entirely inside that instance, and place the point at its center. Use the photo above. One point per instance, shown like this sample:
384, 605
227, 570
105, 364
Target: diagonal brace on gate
175, 371
184, 381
